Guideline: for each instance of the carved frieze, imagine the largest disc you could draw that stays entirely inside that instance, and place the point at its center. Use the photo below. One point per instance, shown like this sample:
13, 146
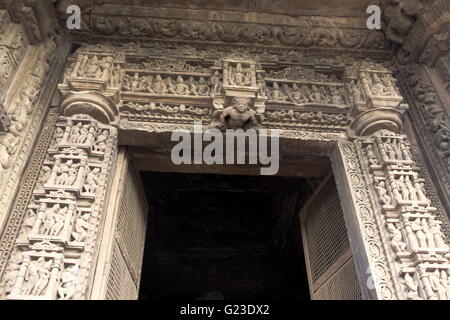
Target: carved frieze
259, 34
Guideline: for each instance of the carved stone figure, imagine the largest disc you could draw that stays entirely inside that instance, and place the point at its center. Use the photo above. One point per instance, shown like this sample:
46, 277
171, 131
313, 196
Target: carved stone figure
373, 160
180, 88
159, 86
382, 193
295, 95
405, 195
315, 95
216, 82
396, 238
238, 116
75, 134
261, 85
420, 235
90, 185
411, 287
203, 88
68, 282
41, 282
59, 219
356, 91
100, 141
437, 286
276, 94
400, 16
435, 229
81, 227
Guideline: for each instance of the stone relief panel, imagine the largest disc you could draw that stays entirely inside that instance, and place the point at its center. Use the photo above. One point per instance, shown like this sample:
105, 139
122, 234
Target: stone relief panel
418, 246
52, 254
432, 120
184, 83
304, 35
25, 109
12, 46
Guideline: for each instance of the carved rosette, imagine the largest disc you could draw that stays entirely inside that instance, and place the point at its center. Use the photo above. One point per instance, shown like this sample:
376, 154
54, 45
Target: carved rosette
52, 255
407, 220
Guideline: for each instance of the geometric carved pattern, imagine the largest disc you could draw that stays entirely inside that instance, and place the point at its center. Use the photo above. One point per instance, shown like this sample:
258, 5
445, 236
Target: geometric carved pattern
324, 245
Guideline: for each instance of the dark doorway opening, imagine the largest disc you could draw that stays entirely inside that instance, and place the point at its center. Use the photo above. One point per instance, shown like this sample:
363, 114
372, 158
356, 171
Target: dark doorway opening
224, 237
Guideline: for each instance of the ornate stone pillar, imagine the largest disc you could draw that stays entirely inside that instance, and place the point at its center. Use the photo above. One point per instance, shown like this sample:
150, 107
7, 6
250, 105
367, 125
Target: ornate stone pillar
50, 245
62, 219
395, 224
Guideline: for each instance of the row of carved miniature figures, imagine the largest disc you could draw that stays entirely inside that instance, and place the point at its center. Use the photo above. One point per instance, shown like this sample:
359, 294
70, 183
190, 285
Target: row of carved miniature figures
198, 86
402, 189
190, 85
82, 134
389, 150
41, 275
423, 233
427, 285
73, 174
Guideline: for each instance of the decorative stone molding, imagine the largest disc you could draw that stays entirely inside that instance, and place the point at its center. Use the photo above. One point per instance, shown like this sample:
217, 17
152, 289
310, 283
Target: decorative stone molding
362, 221
432, 121
406, 253
12, 47
38, 17
304, 36
4, 120
168, 86
26, 108
423, 31
93, 103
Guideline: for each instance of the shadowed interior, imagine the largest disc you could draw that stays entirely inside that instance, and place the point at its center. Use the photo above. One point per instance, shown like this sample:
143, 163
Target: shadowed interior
224, 237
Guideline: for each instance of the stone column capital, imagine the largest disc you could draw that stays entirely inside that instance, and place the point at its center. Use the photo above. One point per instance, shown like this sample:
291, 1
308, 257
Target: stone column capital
91, 103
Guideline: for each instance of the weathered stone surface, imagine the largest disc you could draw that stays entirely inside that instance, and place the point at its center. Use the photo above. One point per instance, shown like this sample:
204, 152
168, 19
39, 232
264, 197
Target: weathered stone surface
323, 81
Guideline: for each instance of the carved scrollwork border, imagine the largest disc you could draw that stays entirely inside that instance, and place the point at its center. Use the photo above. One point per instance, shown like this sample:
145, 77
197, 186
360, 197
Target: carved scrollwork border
371, 233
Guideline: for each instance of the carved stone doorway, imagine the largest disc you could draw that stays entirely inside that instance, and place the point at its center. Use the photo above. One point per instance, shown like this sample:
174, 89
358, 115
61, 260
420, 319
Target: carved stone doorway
226, 236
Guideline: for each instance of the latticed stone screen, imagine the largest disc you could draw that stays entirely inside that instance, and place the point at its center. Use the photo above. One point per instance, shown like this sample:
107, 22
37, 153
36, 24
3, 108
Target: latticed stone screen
129, 239
331, 270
